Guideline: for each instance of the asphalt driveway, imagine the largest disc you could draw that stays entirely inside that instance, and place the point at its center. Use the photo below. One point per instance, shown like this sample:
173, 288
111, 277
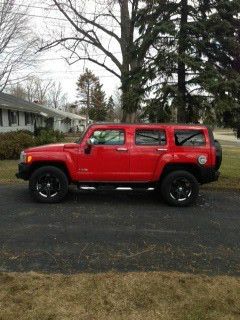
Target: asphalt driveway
121, 230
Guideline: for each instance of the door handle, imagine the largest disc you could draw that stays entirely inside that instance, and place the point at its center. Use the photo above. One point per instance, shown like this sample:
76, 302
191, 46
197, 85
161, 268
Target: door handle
122, 149
161, 149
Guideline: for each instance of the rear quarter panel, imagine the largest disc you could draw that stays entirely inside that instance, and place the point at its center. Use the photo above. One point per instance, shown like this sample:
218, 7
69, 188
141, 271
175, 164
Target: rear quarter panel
184, 154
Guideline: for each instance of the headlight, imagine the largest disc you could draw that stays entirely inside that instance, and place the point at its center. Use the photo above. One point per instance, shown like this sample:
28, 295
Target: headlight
23, 157
202, 160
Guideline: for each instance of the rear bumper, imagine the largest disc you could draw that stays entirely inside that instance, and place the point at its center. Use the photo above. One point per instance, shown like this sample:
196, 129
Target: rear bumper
208, 175
23, 171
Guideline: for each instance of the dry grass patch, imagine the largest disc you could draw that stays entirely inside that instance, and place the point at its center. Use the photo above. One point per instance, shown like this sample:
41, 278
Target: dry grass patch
8, 169
137, 296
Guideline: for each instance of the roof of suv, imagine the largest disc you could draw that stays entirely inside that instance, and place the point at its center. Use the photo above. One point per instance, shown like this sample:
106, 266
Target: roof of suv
177, 125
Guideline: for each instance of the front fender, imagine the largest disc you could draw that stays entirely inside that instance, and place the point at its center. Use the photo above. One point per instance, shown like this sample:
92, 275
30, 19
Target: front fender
65, 159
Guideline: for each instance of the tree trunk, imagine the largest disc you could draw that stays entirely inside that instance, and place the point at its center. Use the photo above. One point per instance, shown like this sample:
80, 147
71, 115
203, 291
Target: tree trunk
182, 47
130, 99
129, 104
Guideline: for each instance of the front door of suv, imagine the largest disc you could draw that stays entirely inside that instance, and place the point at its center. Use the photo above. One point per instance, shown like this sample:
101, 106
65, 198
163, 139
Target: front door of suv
107, 158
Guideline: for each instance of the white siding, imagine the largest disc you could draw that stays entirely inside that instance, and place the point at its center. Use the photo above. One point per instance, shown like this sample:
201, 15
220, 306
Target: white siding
59, 123
5, 118
21, 119
6, 128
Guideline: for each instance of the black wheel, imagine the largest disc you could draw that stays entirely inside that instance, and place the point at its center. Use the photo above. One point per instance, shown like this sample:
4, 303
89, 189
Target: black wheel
48, 184
180, 188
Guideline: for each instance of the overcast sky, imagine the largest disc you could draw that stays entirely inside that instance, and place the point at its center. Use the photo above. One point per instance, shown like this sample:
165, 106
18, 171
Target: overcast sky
51, 64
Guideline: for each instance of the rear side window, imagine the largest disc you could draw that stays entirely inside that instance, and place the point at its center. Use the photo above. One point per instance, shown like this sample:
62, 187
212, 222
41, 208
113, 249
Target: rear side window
189, 138
108, 137
1, 121
150, 137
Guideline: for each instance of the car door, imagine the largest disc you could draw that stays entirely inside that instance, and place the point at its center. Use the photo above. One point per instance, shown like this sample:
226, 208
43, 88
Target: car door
148, 146
107, 158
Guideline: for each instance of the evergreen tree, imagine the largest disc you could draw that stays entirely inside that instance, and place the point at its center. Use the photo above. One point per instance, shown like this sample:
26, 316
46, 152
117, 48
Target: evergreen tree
195, 65
226, 87
110, 109
98, 111
85, 86
92, 97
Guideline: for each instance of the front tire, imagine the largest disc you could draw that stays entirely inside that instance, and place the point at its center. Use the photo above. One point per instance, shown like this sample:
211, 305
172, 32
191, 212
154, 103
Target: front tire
180, 188
48, 185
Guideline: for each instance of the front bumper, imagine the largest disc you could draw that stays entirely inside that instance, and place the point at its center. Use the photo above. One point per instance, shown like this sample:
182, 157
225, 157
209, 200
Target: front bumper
23, 171
208, 175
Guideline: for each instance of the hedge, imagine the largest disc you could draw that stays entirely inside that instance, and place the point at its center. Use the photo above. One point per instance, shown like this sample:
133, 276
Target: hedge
12, 143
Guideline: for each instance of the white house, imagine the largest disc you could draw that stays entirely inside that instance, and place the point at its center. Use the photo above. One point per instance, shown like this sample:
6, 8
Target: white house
17, 114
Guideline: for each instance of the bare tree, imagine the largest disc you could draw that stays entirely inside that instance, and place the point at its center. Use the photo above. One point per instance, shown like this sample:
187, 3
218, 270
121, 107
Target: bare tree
57, 99
96, 36
17, 45
45, 92
18, 91
38, 89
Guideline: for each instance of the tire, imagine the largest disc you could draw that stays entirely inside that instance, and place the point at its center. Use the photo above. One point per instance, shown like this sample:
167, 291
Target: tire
180, 189
48, 185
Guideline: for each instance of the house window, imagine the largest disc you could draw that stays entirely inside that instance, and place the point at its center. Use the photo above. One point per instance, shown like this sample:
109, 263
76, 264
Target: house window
28, 118
13, 118
1, 119
150, 137
189, 138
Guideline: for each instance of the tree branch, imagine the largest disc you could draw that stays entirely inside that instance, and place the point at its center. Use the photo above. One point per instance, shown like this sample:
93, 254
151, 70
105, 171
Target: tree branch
94, 23
104, 66
88, 58
92, 40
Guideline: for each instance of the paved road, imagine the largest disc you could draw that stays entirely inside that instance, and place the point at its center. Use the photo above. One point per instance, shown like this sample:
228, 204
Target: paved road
121, 230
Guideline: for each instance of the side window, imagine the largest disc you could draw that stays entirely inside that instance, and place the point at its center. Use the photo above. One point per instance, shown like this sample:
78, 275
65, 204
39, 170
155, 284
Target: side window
108, 137
189, 138
1, 120
150, 137
27, 118
13, 118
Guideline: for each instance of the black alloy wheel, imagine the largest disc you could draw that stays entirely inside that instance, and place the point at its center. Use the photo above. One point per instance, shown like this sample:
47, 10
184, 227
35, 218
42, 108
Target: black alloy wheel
48, 185
180, 188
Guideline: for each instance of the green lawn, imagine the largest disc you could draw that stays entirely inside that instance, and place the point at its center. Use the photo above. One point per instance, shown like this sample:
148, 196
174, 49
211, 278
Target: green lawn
230, 170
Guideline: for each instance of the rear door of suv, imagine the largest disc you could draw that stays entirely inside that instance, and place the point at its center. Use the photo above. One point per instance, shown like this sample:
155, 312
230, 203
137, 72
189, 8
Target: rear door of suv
148, 145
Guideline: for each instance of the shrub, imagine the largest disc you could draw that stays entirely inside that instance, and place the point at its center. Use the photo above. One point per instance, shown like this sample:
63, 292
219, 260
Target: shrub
46, 136
12, 143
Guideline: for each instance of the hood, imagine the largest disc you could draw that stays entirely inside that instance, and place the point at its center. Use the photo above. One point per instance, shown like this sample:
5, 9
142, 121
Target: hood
57, 147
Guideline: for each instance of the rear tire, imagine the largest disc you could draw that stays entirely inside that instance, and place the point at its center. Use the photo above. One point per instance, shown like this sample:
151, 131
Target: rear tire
180, 189
48, 185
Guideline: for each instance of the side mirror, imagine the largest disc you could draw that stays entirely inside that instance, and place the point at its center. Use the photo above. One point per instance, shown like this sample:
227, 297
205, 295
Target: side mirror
90, 142
89, 145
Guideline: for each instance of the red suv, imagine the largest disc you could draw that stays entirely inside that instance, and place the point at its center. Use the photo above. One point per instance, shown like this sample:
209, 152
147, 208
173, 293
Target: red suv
172, 159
